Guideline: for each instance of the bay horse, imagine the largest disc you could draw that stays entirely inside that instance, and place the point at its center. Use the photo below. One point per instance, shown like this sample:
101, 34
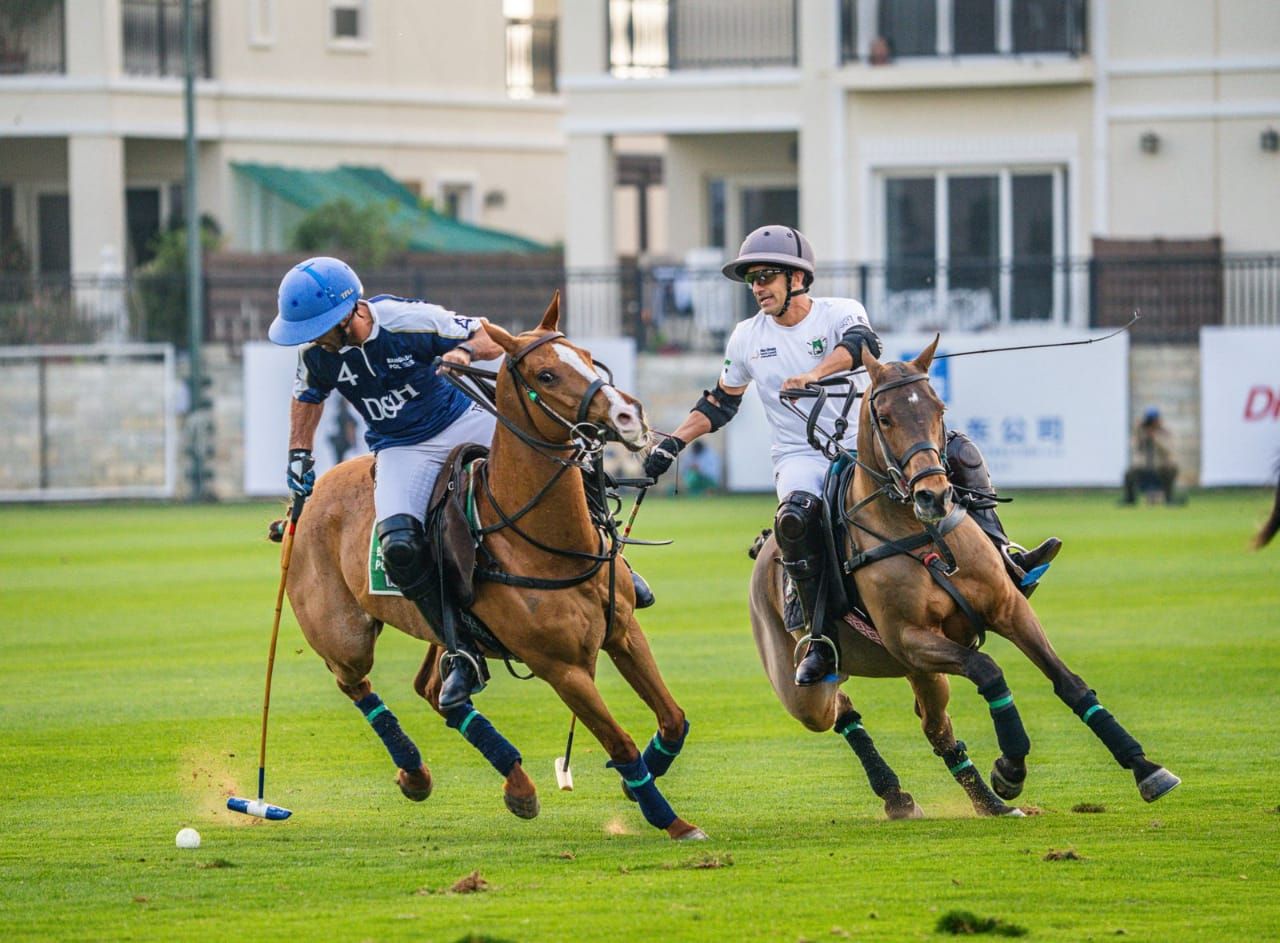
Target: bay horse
1268, 530
918, 563
555, 595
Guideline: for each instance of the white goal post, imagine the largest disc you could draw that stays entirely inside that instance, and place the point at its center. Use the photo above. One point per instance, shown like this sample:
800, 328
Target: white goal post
86, 422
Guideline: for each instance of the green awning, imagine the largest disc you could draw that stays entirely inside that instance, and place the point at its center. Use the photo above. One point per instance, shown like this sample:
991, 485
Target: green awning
428, 230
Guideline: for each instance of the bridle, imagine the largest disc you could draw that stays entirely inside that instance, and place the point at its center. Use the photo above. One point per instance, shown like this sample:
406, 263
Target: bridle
585, 444
897, 486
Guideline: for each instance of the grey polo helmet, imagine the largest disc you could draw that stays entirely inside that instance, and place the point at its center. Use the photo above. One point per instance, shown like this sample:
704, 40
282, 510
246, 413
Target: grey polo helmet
778, 245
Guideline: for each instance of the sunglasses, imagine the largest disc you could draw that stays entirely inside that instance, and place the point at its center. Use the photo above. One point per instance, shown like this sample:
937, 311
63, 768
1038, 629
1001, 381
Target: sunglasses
762, 276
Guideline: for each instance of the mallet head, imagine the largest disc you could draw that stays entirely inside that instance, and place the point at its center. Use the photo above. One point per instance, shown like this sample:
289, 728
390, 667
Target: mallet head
564, 775
263, 810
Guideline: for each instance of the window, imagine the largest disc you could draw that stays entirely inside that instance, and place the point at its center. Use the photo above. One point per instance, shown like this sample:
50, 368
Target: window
348, 21
974, 248
53, 220
262, 22
457, 200
143, 220
922, 28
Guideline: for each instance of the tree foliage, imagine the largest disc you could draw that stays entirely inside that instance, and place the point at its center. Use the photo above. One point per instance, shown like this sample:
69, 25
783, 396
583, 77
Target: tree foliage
363, 235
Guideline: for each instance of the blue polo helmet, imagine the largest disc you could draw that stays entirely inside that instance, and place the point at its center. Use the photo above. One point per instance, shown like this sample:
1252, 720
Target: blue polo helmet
314, 296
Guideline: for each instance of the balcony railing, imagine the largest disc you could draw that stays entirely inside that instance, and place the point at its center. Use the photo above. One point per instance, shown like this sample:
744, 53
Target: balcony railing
656, 37
881, 31
153, 41
531, 57
33, 39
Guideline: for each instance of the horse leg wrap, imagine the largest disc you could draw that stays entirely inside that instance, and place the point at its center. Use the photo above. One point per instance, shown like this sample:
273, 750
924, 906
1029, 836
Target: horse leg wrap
879, 775
637, 777
404, 753
1107, 729
957, 761
660, 754
1010, 733
482, 735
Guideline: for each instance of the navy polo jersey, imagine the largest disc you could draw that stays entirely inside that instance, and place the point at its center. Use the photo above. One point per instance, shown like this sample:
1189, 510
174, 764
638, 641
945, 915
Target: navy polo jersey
389, 378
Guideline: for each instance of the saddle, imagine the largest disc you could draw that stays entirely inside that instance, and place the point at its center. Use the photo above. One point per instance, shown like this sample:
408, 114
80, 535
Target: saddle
452, 544
448, 525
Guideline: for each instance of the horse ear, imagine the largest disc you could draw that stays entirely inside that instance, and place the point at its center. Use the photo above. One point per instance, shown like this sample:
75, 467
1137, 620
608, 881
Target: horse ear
551, 317
926, 355
871, 364
500, 337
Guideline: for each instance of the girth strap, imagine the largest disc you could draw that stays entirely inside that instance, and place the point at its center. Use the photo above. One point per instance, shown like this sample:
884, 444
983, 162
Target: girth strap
940, 563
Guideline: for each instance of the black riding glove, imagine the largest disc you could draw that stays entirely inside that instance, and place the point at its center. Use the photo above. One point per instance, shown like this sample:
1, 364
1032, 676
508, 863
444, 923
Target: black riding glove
663, 454
301, 474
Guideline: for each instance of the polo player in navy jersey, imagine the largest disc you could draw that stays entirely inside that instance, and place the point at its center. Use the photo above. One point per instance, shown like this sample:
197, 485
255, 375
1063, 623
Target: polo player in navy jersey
378, 354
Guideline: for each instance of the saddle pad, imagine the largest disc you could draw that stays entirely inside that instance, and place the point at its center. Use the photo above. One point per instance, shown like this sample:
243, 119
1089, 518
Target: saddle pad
863, 628
379, 583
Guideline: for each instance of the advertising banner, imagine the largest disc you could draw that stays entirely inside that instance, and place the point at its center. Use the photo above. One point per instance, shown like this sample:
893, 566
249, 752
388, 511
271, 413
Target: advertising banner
1239, 405
1043, 418
268, 390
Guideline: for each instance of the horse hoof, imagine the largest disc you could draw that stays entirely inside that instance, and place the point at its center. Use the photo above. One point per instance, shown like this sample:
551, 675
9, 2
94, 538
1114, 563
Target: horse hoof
1157, 784
902, 806
1005, 787
415, 785
526, 807
694, 834
1013, 812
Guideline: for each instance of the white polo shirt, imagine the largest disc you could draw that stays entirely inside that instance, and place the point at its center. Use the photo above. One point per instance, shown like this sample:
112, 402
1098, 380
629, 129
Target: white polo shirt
763, 351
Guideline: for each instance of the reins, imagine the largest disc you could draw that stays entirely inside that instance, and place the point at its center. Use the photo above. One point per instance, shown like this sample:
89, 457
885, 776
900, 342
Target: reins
585, 443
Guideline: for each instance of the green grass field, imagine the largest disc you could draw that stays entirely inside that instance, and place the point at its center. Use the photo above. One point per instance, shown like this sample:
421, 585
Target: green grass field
134, 643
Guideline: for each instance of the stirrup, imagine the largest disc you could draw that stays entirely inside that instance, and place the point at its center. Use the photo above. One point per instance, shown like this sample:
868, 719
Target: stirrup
447, 668
812, 640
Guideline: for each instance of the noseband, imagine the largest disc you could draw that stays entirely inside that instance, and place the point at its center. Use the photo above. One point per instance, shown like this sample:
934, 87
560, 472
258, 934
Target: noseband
899, 487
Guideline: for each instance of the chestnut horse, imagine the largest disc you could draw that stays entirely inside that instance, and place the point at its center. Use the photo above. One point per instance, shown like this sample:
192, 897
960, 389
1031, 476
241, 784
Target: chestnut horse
899, 507
554, 411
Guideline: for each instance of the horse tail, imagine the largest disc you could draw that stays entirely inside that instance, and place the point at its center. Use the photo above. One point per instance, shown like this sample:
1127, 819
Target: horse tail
1273, 522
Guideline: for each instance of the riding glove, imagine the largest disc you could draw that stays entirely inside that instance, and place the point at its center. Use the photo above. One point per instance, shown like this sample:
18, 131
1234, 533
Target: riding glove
301, 474
663, 454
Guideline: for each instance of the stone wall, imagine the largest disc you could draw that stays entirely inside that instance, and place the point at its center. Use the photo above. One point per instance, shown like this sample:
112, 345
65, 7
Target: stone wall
82, 424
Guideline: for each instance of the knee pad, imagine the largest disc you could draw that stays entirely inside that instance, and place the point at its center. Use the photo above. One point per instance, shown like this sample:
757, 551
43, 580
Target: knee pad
799, 518
404, 549
968, 468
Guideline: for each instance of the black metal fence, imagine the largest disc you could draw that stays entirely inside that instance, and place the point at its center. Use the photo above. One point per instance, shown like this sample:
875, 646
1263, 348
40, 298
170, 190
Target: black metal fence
654, 37
33, 38
675, 308
153, 40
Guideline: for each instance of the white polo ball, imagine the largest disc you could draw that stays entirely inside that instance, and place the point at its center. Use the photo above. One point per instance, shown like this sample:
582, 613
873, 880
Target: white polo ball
188, 838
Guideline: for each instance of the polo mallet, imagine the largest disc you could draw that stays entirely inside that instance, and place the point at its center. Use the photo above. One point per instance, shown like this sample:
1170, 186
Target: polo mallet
260, 807
564, 775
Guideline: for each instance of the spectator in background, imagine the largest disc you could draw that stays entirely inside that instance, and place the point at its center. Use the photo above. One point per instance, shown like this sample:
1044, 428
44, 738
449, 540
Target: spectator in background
1153, 468
701, 469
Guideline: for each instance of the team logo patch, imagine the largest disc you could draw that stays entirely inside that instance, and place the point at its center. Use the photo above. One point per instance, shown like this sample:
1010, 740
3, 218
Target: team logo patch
817, 346
400, 363
765, 352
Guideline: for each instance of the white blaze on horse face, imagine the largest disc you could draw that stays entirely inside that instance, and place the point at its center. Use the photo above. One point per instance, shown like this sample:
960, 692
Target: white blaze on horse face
913, 398
624, 416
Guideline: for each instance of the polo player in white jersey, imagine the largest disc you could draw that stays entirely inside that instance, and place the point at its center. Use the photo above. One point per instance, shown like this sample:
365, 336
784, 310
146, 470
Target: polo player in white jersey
794, 340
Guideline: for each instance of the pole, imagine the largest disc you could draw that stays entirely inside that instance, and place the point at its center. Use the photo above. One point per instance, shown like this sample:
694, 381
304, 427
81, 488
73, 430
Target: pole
195, 297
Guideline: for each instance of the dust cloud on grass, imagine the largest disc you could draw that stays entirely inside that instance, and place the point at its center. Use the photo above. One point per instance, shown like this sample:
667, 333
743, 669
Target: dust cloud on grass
208, 781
